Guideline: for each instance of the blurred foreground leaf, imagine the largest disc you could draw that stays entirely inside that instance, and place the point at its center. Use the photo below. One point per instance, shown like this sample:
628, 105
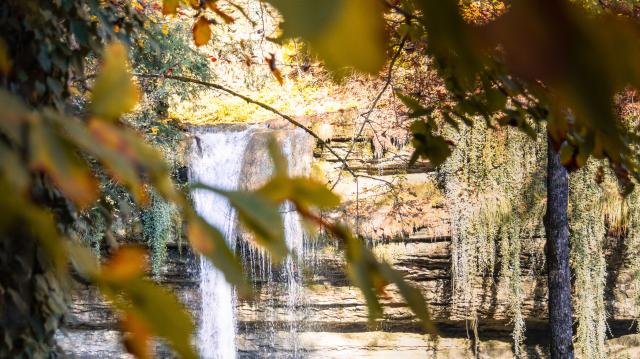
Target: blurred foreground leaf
208, 241
303, 192
259, 215
143, 306
55, 156
114, 91
344, 33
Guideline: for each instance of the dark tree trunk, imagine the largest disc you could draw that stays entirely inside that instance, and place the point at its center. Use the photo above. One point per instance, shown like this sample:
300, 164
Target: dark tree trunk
559, 276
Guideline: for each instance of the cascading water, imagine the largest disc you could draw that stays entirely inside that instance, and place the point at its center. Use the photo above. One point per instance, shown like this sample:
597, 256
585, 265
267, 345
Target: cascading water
227, 160
217, 162
299, 165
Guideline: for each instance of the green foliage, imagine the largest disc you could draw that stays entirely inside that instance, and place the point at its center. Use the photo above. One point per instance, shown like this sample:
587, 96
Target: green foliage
160, 223
261, 216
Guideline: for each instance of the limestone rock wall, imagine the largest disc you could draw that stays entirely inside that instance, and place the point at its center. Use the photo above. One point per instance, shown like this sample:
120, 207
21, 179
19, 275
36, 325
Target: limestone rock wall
408, 225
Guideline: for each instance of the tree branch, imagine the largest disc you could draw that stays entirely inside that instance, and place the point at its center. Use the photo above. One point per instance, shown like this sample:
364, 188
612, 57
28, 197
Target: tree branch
367, 114
257, 103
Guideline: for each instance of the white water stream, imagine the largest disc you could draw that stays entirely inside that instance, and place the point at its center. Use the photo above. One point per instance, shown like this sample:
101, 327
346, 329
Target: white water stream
217, 161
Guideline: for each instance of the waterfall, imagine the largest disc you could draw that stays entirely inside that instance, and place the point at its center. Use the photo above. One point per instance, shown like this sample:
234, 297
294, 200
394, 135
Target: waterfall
217, 161
299, 165
232, 160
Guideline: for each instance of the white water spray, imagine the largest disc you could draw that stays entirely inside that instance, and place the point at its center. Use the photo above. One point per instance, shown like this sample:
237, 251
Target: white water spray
217, 162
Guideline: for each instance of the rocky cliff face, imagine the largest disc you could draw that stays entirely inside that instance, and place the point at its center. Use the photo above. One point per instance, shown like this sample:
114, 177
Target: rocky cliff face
397, 209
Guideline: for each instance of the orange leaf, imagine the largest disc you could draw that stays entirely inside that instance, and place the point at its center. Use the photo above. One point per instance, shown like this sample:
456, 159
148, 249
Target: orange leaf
226, 17
54, 156
199, 238
136, 335
201, 31
126, 264
271, 60
169, 7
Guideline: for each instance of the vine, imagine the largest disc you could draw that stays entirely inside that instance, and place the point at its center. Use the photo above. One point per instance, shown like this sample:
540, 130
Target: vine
161, 222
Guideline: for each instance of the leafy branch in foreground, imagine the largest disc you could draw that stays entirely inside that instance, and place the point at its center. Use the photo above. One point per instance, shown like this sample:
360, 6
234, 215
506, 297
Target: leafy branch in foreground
368, 273
62, 149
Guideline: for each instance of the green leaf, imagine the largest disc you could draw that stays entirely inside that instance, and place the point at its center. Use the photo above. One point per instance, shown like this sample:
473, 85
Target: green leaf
162, 312
362, 273
304, 192
208, 241
427, 145
371, 276
345, 33
279, 161
412, 103
54, 156
259, 215
412, 296
83, 260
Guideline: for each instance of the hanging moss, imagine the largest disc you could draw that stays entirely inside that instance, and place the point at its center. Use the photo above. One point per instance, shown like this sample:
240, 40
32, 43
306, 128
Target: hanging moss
92, 228
588, 235
494, 185
495, 188
160, 223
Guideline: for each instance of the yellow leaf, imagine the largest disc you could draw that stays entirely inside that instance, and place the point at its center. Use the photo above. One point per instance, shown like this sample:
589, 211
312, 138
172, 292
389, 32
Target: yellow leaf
201, 31
165, 29
126, 264
56, 157
344, 33
157, 311
114, 91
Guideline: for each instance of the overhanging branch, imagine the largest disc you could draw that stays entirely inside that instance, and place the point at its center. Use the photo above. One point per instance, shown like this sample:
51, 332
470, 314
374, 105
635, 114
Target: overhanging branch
261, 105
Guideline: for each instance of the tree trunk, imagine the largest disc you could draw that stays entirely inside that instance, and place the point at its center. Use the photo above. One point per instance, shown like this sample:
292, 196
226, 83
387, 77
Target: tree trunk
559, 275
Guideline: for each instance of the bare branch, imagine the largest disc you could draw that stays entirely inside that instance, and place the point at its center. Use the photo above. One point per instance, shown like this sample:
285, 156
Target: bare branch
368, 113
257, 103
